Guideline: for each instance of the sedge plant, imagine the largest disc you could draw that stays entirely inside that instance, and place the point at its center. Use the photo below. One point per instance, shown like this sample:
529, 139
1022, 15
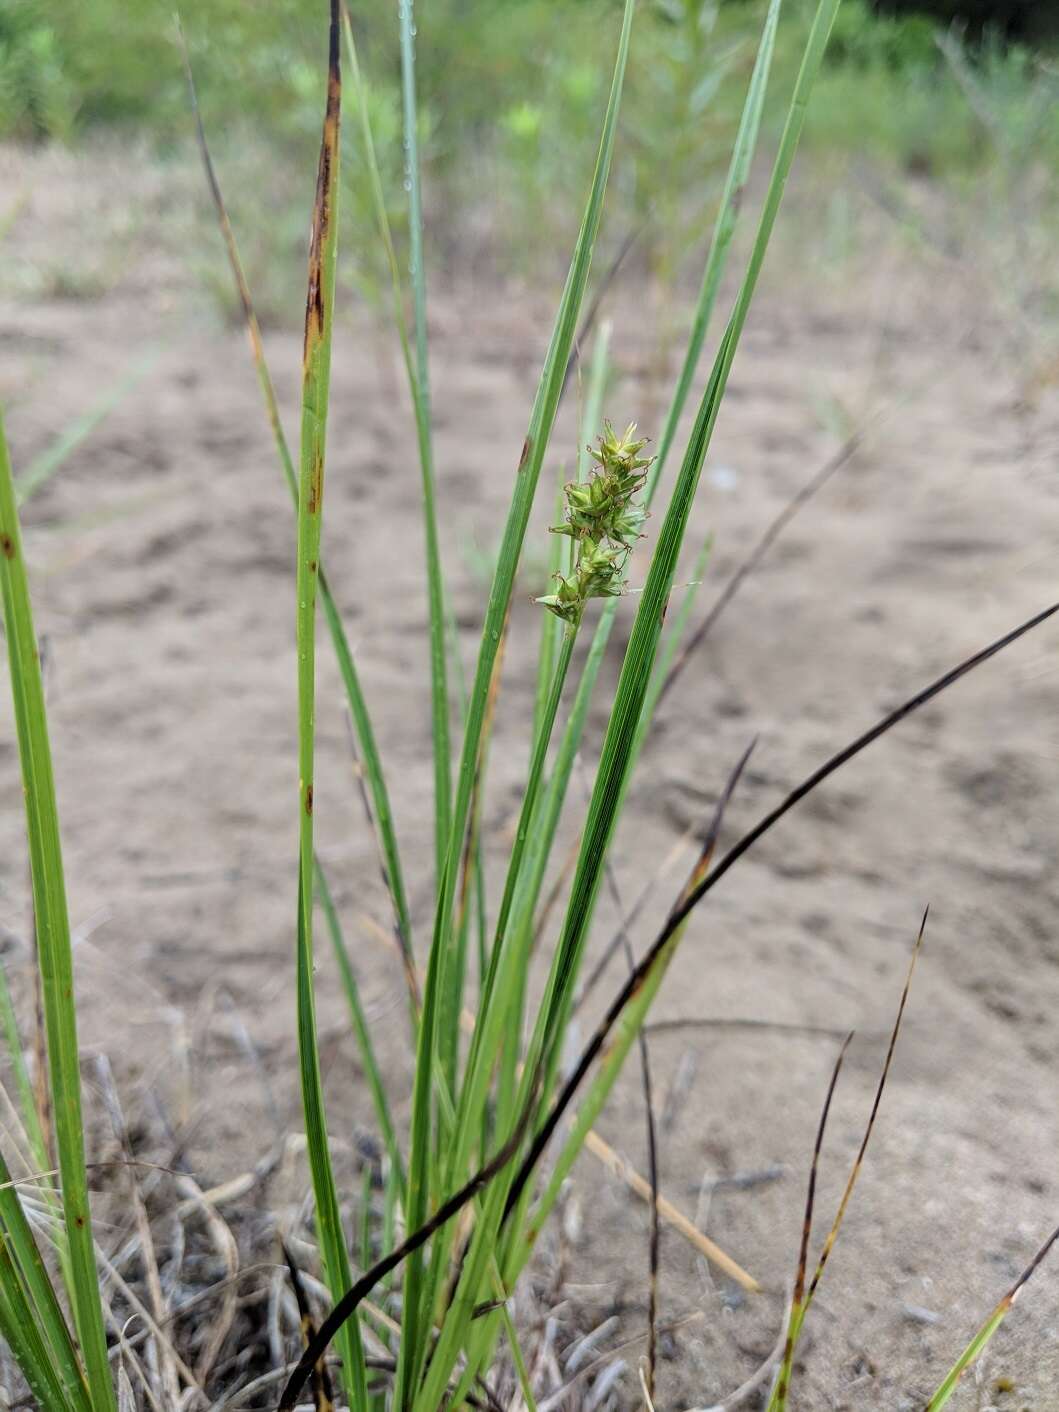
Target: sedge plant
496, 1122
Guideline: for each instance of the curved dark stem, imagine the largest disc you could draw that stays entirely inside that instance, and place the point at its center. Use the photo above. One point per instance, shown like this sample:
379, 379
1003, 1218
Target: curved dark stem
654, 1239
801, 497
807, 1230
321, 1381
610, 274
694, 895
347, 1305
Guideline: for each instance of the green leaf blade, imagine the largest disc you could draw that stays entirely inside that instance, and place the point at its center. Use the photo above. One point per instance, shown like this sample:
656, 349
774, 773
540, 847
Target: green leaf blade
54, 951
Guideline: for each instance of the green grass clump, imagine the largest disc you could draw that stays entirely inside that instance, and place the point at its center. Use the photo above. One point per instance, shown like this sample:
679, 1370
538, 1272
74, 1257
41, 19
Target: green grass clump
495, 1123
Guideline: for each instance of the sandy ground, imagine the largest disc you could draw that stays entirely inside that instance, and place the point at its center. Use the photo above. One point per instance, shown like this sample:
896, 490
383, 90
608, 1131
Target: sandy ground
162, 563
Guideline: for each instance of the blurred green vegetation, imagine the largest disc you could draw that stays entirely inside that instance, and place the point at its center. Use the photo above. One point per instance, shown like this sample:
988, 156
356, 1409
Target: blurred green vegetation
511, 71
522, 77
511, 93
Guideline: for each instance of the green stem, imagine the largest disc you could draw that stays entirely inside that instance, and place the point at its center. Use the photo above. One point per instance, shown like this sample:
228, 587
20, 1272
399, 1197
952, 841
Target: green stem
421, 400
500, 977
441, 965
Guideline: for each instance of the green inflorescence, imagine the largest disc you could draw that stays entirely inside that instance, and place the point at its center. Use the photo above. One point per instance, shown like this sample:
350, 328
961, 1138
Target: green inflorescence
604, 521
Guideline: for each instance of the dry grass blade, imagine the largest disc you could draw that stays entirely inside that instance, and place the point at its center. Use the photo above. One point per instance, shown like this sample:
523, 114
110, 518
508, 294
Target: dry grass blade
555, 1400
747, 566
225, 1244
153, 1327
757, 1377
672, 1215
832, 1235
169, 1378
126, 1396
779, 1395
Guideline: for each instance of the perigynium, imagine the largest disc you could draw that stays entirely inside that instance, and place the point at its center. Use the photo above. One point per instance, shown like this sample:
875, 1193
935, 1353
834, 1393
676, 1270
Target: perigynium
603, 521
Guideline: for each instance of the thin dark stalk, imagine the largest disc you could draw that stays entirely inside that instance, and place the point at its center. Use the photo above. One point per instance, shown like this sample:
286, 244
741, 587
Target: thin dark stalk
610, 274
858, 1163
843, 756
797, 1310
323, 1397
402, 941
698, 891
719, 1022
747, 566
654, 1237
692, 895
347, 1306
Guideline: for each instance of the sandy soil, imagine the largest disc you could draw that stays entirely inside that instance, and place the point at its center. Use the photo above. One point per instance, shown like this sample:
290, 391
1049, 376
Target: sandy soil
162, 561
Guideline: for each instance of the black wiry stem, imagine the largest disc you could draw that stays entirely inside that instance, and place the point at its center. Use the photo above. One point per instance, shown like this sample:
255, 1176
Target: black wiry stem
695, 894
347, 1305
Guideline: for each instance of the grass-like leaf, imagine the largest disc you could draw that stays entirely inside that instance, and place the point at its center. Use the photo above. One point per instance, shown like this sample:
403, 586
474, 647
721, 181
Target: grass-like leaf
359, 1022
440, 998
976, 1347
53, 938
29, 1291
726, 220
619, 743
319, 316
421, 402
381, 811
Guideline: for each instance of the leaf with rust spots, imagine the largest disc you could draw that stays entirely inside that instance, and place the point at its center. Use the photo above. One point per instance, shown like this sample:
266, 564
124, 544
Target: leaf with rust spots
316, 380
316, 487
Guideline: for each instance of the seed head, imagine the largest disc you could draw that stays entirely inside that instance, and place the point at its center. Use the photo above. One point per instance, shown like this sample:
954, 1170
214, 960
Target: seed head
603, 521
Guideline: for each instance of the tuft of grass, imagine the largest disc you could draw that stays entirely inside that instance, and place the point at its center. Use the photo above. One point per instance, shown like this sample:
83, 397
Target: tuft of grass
496, 1124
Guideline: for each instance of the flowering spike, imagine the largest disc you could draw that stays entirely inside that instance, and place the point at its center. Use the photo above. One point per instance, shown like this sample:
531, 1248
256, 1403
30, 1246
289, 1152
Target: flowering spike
603, 521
